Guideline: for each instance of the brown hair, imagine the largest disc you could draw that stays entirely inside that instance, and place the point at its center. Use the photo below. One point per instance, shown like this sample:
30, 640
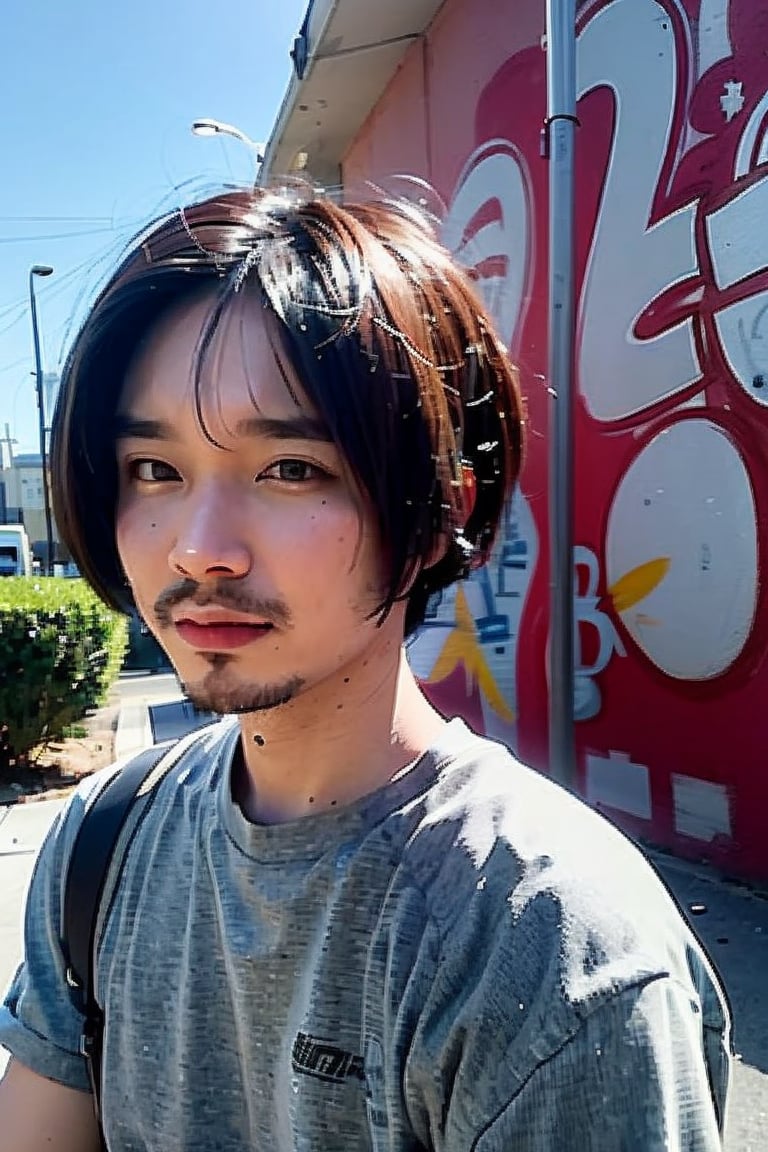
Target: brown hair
386, 335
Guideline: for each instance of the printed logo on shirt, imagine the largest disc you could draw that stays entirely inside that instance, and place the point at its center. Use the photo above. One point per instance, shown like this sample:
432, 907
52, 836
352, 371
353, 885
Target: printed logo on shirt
323, 1060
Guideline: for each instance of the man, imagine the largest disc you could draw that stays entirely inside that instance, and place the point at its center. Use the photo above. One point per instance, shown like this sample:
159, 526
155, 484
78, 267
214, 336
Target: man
343, 922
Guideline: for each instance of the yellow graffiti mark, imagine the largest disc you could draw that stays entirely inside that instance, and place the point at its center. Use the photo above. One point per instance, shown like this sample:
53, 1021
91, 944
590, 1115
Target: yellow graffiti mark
635, 585
462, 647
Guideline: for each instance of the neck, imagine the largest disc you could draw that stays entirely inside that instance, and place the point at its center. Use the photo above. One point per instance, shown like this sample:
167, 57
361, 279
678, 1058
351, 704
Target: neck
314, 754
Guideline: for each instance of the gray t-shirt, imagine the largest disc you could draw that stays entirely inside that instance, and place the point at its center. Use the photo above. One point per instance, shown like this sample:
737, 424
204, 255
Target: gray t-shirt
468, 959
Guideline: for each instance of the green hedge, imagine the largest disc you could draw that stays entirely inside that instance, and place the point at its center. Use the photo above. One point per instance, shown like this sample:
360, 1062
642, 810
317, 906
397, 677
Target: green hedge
60, 651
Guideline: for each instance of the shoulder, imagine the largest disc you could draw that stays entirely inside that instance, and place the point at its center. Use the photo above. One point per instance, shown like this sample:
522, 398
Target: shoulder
190, 764
521, 920
518, 874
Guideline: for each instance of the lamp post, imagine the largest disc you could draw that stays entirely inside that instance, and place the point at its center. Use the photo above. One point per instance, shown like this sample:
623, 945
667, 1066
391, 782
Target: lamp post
561, 127
41, 270
208, 127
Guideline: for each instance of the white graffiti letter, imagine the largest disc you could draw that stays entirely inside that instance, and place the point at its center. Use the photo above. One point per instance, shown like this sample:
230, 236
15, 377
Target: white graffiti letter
629, 47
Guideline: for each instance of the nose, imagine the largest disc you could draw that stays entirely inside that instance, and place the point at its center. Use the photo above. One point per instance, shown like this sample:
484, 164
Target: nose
209, 541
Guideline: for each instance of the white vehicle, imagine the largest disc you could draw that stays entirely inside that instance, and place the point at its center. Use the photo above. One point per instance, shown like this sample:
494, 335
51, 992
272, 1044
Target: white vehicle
15, 552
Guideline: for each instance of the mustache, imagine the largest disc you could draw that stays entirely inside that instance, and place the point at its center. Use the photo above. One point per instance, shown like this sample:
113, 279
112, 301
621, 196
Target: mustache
224, 594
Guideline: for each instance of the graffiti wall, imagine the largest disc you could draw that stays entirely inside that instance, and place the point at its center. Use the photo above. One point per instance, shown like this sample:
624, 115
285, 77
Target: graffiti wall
672, 411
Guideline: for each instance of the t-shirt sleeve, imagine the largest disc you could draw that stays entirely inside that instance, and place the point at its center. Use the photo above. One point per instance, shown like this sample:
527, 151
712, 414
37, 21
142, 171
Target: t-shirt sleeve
39, 1024
639, 1075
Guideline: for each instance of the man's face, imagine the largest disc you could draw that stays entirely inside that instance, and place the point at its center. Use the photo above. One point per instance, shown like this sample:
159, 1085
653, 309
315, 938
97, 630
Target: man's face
253, 558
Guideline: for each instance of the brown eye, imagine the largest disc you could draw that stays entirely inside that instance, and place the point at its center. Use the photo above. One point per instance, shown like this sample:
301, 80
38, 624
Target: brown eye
294, 471
152, 471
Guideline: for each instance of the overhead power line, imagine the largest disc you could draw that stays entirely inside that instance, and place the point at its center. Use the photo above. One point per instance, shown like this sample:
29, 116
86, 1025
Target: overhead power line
57, 220
59, 285
54, 236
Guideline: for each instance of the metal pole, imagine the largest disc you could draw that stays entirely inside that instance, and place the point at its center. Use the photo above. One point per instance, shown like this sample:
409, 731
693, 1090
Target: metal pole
560, 130
41, 418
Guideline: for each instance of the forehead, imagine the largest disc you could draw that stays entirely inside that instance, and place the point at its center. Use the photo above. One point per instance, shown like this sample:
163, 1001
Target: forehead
231, 366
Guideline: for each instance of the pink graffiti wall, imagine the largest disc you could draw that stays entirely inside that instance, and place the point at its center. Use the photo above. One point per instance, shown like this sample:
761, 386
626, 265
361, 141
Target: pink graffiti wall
672, 372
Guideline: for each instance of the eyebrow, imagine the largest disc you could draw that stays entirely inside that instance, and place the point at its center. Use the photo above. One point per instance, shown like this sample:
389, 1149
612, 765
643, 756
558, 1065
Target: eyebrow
268, 428
299, 427
127, 427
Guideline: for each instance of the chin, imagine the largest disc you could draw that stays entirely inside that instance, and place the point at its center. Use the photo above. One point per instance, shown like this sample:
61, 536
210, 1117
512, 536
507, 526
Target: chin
214, 694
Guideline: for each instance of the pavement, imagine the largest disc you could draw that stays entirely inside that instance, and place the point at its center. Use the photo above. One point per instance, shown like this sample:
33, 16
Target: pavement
152, 709
730, 919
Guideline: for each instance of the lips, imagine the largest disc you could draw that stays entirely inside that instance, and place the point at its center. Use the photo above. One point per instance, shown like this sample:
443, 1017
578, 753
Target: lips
220, 635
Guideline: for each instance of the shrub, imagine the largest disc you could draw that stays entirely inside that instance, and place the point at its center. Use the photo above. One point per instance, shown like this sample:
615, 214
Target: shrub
60, 651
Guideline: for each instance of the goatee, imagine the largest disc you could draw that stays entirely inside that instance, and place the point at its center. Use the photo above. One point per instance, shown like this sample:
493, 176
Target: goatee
211, 695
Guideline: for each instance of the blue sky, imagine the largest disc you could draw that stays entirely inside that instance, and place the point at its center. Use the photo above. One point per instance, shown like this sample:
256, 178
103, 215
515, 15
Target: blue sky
97, 103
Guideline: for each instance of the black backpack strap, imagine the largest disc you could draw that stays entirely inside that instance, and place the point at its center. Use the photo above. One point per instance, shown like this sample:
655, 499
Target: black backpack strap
84, 885
90, 860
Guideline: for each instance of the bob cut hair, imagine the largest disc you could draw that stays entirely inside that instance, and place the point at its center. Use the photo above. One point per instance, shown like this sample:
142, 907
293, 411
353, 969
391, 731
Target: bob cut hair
384, 331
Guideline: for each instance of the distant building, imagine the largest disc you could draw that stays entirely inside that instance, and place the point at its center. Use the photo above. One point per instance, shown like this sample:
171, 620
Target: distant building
22, 502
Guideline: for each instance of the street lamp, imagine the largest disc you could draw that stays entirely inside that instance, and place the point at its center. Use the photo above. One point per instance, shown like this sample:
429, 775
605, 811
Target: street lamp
41, 270
208, 127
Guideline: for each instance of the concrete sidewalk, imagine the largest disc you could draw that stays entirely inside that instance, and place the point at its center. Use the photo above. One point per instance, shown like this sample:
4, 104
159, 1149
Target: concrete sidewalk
139, 695
22, 830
